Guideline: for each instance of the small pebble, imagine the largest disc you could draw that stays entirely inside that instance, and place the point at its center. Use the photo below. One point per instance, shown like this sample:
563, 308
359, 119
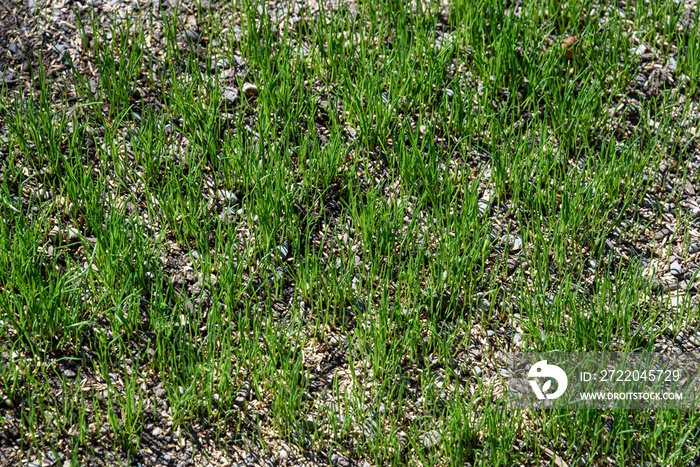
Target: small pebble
249, 90
230, 96
223, 63
649, 203
284, 250
192, 35
672, 64
640, 50
517, 243
430, 439
483, 206
73, 234
676, 269
54, 233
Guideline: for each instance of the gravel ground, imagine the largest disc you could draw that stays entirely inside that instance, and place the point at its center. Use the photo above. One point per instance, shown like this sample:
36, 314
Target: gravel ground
666, 239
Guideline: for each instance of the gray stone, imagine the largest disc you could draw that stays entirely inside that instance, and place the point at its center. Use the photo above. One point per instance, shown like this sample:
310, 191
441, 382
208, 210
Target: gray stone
485, 305
54, 234
243, 394
517, 243
230, 96
477, 371
430, 439
680, 338
223, 63
693, 248
672, 64
229, 197
517, 338
284, 250
640, 50
69, 374
192, 35
51, 457
676, 269
157, 432
483, 206
73, 234
609, 246
649, 203
512, 264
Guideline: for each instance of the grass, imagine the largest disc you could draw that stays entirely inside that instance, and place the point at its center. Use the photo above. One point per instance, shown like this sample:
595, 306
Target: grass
381, 175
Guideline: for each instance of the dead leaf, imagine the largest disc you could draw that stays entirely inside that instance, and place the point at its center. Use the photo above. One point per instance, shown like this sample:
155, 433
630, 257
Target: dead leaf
568, 46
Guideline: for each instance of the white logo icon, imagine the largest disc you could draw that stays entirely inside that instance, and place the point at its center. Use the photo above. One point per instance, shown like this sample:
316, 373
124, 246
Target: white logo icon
543, 370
